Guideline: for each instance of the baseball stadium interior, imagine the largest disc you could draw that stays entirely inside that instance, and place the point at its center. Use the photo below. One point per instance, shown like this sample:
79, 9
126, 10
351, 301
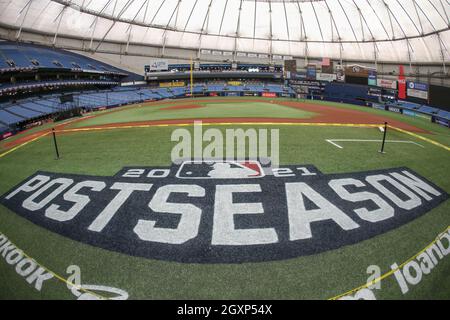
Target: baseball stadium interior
359, 91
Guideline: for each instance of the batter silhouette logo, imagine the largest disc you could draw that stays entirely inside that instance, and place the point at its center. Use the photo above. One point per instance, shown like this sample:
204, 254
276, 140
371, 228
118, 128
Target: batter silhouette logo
226, 169
223, 211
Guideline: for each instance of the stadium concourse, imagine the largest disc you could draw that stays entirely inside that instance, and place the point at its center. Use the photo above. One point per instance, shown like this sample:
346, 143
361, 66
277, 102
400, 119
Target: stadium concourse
231, 150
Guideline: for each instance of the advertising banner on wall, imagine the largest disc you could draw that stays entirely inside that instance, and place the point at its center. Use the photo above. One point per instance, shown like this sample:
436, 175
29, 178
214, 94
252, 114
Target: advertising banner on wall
326, 77
5, 135
417, 90
357, 71
290, 65
269, 94
395, 109
159, 65
327, 65
409, 113
388, 84
298, 76
423, 116
374, 92
311, 72
442, 121
340, 73
233, 94
378, 106
372, 78
401, 83
172, 84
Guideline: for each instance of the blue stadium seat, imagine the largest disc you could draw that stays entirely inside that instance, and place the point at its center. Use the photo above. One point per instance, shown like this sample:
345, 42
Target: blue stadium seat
22, 112
9, 118
38, 106
3, 128
24, 54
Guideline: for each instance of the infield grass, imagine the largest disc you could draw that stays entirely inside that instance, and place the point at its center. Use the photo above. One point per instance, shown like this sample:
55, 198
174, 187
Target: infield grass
207, 110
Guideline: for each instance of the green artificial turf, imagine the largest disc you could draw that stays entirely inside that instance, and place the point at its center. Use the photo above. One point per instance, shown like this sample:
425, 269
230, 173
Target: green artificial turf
208, 110
321, 276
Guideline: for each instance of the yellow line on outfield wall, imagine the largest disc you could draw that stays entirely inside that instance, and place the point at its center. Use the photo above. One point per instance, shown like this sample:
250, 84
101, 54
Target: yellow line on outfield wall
23, 145
388, 274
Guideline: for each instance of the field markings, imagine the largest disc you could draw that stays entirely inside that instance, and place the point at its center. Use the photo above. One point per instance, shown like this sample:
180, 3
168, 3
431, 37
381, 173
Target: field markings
23, 145
390, 273
313, 124
185, 124
57, 276
421, 138
333, 142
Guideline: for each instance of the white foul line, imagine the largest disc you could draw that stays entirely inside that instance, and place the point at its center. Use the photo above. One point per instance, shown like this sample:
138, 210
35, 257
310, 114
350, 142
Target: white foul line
333, 142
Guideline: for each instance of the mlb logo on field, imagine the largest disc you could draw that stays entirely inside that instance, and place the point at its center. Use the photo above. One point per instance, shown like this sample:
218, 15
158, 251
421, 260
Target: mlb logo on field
221, 169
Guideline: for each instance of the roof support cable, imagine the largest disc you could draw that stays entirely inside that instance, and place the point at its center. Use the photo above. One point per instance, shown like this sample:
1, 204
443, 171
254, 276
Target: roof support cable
60, 17
125, 8
176, 15
417, 13
101, 12
400, 26
287, 26
410, 61
348, 20
271, 29
137, 14
130, 30
333, 22
171, 17
237, 32
409, 17
439, 13
426, 16
223, 16
114, 8
254, 22
363, 19
44, 9
302, 23
351, 27
390, 19
317, 19
331, 25
379, 20
202, 31
442, 53
26, 8
445, 12
375, 55
190, 15
144, 18
306, 53
157, 11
